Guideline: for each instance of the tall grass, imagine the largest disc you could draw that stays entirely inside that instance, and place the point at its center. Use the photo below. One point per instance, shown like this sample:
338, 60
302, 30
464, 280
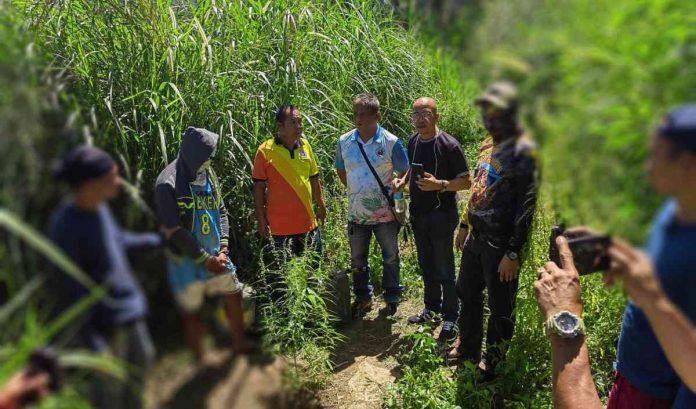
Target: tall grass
144, 71
130, 76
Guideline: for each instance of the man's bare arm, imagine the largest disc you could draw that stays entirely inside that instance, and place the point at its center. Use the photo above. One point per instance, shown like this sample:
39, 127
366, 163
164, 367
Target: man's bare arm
342, 177
260, 207
573, 387
677, 337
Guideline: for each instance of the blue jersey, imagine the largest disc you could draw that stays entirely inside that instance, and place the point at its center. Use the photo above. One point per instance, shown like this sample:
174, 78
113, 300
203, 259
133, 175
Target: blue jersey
206, 230
206, 217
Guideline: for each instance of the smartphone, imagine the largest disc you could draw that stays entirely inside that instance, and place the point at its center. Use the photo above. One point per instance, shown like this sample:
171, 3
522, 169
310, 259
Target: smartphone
417, 171
589, 252
556, 230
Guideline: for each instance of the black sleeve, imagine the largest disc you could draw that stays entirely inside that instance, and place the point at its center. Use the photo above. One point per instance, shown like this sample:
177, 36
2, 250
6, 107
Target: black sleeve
456, 161
168, 215
526, 189
167, 208
409, 148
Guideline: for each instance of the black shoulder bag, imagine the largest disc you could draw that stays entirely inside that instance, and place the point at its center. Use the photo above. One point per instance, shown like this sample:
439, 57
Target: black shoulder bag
400, 217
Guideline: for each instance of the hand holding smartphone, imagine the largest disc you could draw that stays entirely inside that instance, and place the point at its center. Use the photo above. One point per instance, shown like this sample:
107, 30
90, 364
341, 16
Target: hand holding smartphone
589, 250
417, 171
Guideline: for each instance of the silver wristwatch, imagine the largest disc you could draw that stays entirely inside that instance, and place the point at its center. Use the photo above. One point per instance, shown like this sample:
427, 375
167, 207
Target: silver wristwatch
565, 324
512, 255
443, 186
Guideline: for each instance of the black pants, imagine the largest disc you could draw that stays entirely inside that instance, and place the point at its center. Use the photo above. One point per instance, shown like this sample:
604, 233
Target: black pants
284, 249
434, 234
479, 271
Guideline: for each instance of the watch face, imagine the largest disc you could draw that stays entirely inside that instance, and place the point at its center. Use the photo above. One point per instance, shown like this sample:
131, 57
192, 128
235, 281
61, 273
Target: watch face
566, 323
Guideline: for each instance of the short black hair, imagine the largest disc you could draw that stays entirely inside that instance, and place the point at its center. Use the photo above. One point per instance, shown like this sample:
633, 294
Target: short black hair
366, 100
282, 112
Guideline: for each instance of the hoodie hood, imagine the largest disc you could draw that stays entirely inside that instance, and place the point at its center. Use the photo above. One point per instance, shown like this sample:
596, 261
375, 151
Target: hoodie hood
197, 146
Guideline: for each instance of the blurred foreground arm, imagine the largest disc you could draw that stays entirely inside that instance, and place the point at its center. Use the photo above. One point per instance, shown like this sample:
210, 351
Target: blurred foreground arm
558, 289
674, 331
15, 394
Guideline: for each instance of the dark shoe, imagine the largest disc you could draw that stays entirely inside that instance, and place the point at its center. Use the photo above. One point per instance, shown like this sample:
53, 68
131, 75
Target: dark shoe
391, 309
486, 372
424, 317
360, 308
448, 332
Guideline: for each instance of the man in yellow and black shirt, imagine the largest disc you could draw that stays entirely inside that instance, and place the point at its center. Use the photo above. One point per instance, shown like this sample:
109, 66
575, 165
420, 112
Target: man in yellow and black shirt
500, 212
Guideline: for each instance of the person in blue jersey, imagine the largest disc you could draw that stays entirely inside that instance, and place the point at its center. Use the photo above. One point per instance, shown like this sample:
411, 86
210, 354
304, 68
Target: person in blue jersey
192, 212
656, 358
85, 229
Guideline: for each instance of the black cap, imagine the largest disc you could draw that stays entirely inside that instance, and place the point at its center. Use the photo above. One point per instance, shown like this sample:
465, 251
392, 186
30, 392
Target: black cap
679, 126
81, 164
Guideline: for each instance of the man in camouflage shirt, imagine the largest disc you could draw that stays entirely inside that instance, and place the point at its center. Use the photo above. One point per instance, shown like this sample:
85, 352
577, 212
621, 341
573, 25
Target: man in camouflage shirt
495, 229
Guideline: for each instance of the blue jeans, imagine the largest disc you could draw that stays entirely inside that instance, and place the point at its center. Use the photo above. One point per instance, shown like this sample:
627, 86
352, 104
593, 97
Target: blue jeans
387, 235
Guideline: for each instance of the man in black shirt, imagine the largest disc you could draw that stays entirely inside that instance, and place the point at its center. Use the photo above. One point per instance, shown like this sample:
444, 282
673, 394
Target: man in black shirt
434, 214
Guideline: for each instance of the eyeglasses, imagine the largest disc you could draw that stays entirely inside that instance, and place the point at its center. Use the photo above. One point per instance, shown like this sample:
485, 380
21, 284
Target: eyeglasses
427, 115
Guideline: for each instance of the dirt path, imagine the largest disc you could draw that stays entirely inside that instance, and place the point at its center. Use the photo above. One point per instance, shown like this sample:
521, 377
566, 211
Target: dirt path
365, 366
365, 363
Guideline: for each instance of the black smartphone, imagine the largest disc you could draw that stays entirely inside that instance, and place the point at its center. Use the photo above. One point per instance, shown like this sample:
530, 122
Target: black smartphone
589, 252
417, 171
556, 231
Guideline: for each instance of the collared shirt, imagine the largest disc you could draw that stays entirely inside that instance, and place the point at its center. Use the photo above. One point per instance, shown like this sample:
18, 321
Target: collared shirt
366, 202
287, 174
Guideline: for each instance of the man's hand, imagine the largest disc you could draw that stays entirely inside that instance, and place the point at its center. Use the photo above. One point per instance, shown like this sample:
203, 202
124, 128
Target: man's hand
321, 214
22, 386
262, 227
558, 288
428, 183
637, 272
460, 241
398, 184
508, 269
216, 264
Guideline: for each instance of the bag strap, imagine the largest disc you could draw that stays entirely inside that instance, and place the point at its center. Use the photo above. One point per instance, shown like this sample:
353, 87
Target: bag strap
385, 191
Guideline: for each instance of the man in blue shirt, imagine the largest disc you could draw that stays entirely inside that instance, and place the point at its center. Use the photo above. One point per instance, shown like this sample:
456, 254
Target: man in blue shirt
369, 210
656, 359
84, 228
641, 362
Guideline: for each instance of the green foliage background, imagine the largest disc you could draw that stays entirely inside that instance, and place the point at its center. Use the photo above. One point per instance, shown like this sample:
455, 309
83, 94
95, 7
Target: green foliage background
594, 77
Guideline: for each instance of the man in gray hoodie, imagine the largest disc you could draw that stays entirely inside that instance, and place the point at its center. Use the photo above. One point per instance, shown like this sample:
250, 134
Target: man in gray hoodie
194, 220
